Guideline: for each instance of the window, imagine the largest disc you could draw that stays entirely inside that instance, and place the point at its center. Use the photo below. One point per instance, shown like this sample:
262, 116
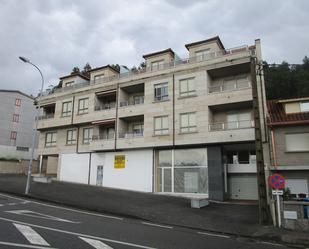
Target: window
69, 84
18, 102
304, 106
202, 54
161, 125
139, 99
138, 129
20, 148
297, 142
13, 135
66, 109
87, 135
161, 92
156, 65
71, 137
188, 122
16, 118
186, 87
51, 139
98, 78
239, 120
83, 105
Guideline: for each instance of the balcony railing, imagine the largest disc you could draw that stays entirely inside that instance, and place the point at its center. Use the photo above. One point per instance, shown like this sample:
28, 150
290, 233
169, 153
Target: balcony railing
47, 116
229, 87
105, 107
127, 103
131, 135
241, 124
103, 137
164, 66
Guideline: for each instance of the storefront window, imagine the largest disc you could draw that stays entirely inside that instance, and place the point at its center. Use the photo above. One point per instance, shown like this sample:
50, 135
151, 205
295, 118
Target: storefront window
182, 171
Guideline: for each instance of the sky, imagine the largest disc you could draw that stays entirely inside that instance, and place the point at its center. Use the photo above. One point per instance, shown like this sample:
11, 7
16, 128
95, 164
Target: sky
58, 35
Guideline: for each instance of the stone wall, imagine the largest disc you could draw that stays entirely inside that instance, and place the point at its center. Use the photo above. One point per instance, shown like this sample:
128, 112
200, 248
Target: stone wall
293, 216
20, 167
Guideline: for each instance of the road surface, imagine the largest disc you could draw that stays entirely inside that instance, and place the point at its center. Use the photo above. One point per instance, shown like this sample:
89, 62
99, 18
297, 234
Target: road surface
25, 223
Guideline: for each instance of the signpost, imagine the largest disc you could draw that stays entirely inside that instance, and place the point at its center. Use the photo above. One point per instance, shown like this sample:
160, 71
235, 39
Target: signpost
277, 182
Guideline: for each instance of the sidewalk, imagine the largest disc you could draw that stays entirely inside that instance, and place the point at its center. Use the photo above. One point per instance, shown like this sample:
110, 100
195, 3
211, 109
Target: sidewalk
232, 219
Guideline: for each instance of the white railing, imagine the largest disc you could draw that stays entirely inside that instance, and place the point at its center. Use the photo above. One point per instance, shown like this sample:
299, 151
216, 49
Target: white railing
103, 137
127, 103
105, 107
163, 66
130, 134
221, 126
229, 87
47, 116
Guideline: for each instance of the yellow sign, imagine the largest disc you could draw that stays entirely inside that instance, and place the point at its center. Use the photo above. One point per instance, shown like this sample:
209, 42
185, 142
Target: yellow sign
120, 162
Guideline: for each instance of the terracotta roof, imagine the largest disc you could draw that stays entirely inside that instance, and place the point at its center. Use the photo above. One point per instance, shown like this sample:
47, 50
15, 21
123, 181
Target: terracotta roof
73, 75
216, 38
169, 50
277, 115
99, 68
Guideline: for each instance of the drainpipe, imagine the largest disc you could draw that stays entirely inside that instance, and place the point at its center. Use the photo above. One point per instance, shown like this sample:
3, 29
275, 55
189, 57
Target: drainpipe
116, 119
273, 144
173, 110
89, 169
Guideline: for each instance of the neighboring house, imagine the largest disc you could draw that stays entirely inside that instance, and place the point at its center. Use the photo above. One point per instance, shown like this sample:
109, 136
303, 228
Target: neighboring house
289, 133
179, 126
17, 117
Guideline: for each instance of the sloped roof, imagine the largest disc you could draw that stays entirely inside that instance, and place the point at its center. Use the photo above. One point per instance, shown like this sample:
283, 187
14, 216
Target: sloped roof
277, 115
17, 91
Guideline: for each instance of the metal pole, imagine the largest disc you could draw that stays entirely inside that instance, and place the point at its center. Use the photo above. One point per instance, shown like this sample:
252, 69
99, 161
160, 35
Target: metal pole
34, 133
278, 209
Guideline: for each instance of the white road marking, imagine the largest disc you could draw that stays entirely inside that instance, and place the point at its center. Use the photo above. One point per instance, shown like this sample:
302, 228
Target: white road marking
1, 205
39, 215
270, 243
215, 235
64, 208
32, 236
11, 204
96, 243
77, 234
24, 245
156, 225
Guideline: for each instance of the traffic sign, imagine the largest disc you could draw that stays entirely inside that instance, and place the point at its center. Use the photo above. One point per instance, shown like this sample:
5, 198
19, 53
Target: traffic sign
276, 181
277, 192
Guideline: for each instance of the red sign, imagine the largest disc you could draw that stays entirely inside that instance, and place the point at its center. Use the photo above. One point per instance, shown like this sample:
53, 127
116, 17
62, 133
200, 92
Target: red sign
276, 181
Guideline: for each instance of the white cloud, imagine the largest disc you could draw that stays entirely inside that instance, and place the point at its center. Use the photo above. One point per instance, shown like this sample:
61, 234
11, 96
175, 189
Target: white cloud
58, 35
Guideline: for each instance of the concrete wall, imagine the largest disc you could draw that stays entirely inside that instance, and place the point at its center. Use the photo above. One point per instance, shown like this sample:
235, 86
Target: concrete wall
137, 174
7, 167
23, 127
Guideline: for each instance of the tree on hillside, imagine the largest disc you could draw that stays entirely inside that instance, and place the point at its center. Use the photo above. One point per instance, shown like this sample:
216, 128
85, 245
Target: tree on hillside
287, 81
116, 67
86, 70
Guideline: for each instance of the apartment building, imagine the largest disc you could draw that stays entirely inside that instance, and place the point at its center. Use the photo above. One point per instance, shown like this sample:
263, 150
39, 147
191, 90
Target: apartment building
16, 124
289, 132
179, 126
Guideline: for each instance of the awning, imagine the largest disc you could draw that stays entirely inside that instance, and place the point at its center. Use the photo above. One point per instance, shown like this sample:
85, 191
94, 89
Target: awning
104, 122
106, 93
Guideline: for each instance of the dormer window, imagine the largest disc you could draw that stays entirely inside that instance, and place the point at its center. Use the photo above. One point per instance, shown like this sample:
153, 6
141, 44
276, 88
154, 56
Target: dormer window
98, 78
304, 106
157, 65
69, 84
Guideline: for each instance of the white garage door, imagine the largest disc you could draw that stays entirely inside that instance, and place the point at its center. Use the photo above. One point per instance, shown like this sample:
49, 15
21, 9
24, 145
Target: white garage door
243, 187
297, 186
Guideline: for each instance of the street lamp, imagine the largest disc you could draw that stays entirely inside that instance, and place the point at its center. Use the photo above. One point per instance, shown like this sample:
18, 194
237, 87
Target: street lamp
34, 133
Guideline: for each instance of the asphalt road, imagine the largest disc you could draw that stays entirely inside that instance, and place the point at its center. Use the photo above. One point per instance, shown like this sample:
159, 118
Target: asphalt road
25, 223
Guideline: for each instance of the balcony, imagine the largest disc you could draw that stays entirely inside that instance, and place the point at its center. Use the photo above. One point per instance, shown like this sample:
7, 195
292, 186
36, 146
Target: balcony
224, 54
229, 85
46, 116
223, 126
103, 142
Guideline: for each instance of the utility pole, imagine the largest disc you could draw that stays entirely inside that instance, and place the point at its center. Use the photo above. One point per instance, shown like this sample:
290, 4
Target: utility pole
264, 214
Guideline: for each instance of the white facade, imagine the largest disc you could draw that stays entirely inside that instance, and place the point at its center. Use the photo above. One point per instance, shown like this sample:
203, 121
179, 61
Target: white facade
136, 175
